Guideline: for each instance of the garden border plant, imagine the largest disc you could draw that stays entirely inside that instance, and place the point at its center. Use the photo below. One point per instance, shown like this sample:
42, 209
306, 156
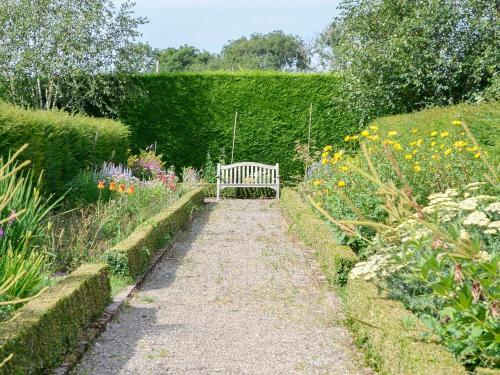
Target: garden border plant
132, 256
382, 326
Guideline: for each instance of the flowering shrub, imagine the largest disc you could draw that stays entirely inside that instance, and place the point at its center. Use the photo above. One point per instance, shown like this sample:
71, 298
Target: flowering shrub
423, 163
147, 165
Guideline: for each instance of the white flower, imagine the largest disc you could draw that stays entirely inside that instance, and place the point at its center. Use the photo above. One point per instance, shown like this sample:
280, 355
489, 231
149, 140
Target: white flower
490, 231
469, 204
493, 207
477, 218
474, 186
464, 235
483, 255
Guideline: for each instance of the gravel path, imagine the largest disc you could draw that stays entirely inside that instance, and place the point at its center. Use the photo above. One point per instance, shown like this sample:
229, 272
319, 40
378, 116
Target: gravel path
235, 297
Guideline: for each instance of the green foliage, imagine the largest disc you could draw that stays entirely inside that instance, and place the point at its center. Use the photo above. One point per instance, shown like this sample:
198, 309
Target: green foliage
61, 144
82, 189
335, 260
48, 50
191, 114
182, 59
452, 273
133, 255
147, 165
86, 233
48, 325
392, 336
399, 56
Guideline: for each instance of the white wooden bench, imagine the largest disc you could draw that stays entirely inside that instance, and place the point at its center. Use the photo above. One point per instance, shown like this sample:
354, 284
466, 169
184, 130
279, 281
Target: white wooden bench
248, 175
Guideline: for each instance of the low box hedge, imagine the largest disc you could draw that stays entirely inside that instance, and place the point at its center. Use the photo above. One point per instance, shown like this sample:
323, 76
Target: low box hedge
132, 256
61, 144
335, 260
392, 336
51, 324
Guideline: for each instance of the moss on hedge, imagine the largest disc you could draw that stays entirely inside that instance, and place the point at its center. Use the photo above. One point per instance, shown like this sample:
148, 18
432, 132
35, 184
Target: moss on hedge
392, 336
132, 256
335, 260
51, 324
188, 114
61, 144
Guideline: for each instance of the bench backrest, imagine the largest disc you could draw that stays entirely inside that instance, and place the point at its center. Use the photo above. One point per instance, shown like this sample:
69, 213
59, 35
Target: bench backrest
248, 174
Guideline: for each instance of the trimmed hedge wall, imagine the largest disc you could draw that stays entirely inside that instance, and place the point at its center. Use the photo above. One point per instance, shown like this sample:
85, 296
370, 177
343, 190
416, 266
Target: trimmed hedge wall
188, 114
391, 335
51, 324
132, 256
61, 144
335, 260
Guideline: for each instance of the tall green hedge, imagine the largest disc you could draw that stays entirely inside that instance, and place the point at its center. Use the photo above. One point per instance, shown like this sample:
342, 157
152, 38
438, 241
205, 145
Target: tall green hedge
188, 114
61, 144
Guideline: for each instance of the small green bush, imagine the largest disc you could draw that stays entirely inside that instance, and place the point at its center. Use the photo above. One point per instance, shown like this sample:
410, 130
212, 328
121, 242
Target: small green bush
335, 260
392, 336
61, 144
48, 326
133, 255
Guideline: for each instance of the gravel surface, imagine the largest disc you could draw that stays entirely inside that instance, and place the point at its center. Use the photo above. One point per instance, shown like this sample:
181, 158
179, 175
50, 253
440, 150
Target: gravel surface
235, 296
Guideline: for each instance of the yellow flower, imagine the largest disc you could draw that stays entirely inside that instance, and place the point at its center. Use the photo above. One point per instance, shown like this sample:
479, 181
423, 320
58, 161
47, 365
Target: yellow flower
392, 133
317, 182
365, 133
433, 143
477, 155
341, 184
413, 144
416, 167
444, 134
419, 142
459, 144
434, 133
337, 156
121, 188
472, 149
324, 154
462, 133
355, 137
448, 151
373, 137
408, 156
328, 148
456, 122
374, 128
100, 185
388, 142
112, 186
414, 130
397, 146
347, 138
414, 152
434, 157
344, 168
324, 161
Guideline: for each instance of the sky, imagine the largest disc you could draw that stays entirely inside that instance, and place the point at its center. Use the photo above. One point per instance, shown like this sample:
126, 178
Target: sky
209, 24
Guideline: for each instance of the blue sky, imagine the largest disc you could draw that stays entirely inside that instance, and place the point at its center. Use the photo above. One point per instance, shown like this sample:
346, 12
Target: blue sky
209, 24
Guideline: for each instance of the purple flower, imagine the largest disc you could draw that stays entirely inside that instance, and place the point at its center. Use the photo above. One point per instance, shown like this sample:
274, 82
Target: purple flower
1, 232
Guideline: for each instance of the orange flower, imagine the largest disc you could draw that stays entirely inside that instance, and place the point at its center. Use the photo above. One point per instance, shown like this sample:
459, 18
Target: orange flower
112, 186
121, 188
131, 189
100, 185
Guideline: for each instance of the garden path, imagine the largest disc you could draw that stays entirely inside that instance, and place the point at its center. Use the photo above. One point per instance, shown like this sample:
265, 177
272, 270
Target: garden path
235, 296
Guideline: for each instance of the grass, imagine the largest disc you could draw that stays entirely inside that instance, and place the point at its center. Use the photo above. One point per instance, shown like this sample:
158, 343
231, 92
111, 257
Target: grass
118, 283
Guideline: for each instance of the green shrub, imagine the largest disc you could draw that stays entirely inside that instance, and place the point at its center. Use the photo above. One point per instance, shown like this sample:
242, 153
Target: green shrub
133, 255
188, 115
335, 260
61, 144
52, 323
392, 336
82, 189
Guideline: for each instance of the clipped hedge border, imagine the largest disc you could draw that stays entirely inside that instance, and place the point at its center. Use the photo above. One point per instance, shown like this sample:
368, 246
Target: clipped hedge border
392, 336
132, 256
61, 144
50, 324
335, 260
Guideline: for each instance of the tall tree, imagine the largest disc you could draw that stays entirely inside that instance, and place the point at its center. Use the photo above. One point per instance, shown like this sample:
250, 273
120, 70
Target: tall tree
272, 51
401, 55
184, 58
50, 49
